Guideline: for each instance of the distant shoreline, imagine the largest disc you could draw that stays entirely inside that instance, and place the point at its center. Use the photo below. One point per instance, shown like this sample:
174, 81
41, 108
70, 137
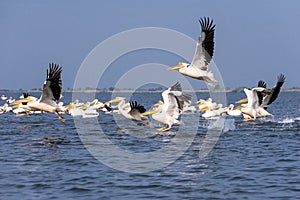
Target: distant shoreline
137, 91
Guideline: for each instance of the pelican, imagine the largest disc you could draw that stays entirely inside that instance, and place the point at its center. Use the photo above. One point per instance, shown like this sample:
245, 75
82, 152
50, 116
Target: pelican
3, 97
253, 108
231, 111
173, 100
135, 112
198, 69
5, 108
214, 112
51, 93
266, 98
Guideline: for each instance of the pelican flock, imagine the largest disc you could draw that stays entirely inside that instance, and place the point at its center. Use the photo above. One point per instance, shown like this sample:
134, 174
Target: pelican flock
167, 111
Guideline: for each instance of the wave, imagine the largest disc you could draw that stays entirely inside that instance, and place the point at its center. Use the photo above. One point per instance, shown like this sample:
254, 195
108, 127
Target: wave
222, 124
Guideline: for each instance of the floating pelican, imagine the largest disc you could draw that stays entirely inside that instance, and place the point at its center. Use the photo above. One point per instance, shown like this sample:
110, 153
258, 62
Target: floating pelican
231, 111
215, 112
173, 100
5, 108
253, 109
51, 93
198, 69
3, 97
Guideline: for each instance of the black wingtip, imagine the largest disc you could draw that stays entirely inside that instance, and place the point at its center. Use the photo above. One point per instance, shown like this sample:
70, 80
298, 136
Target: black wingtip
261, 83
139, 107
176, 87
281, 78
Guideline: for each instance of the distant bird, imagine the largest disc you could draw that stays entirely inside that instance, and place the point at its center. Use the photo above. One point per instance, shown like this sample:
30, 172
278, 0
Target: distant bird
3, 97
172, 107
198, 69
51, 93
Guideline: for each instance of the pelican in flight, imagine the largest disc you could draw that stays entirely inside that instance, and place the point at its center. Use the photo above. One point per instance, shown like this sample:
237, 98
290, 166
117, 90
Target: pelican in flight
198, 69
267, 96
267, 99
172, 107
253, 108
51, 93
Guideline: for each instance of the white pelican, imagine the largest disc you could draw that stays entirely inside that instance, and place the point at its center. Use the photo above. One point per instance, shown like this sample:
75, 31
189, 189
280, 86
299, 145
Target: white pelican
214, 112
51, 93
253, 109
173, 100
231, 111
5, 108
198, 69
135, 112
267, 96
3, 97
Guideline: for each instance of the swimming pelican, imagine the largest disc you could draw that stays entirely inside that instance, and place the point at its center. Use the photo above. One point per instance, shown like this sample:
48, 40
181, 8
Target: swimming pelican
231, 111
173, 100
51, 93
203, 55
3, 97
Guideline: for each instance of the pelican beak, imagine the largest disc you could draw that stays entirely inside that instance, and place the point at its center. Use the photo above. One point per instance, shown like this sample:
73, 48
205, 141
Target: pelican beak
116, 100
242, 101
179, 66
159, 103
21, 101
204, 109
150, 112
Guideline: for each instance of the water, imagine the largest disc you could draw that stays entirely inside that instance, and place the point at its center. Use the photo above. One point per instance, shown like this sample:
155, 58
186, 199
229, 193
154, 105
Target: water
42, 158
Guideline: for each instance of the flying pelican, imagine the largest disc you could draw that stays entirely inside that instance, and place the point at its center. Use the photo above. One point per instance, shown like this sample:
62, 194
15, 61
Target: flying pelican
51, 93
135, 112
173, 100
266, 98
198, 69
253, 108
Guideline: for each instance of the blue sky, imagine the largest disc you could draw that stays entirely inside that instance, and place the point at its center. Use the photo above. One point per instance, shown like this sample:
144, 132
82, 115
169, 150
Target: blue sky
253, 40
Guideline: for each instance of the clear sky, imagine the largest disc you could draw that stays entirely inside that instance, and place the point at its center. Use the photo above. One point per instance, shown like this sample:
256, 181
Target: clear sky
254, 40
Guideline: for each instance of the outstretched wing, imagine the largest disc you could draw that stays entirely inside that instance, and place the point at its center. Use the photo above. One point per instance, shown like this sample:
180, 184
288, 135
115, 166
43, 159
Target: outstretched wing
176, 98
53, 85
275, 90
205, 45
261, 95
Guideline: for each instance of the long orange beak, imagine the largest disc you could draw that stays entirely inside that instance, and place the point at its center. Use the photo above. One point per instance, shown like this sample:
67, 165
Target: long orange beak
242, 101
179, 66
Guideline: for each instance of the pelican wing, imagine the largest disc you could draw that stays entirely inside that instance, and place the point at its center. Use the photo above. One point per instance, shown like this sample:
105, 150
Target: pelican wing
175, 98
53, 85
136, 110
275, 90
260, 95
205, 45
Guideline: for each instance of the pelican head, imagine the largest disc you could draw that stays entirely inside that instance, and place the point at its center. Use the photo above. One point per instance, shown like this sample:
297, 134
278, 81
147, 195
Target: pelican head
159, 103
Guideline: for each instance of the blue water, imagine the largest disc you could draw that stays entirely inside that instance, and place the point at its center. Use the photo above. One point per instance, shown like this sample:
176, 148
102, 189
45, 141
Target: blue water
43, 158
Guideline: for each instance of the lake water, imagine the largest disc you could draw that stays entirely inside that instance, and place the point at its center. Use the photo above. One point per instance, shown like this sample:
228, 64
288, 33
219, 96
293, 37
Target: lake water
43, 158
